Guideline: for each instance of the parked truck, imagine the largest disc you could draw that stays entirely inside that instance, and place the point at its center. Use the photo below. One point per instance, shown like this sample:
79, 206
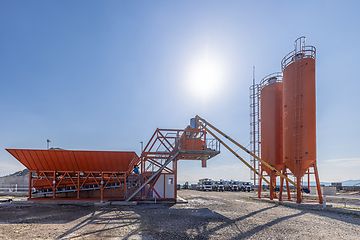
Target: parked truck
204, 184
218, 186
231, 186
246, 186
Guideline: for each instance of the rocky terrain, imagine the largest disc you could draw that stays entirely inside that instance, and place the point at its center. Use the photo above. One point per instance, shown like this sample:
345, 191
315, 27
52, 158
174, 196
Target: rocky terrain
207, 215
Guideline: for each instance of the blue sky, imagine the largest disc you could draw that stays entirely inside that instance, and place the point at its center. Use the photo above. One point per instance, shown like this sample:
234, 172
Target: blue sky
104, 75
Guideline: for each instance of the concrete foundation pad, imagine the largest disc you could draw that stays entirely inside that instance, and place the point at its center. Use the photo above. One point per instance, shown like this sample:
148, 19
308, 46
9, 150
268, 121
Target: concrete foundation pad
54, 202
101, 203
123, 203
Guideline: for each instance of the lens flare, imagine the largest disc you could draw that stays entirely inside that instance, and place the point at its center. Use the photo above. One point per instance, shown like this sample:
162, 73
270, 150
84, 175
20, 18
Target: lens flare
205, 77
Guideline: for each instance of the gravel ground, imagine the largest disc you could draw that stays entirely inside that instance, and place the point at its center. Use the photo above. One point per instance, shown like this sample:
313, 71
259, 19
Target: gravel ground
207, 215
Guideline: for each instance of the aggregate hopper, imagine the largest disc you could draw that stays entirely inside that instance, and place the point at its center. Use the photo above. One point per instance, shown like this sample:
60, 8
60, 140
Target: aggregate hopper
74, 174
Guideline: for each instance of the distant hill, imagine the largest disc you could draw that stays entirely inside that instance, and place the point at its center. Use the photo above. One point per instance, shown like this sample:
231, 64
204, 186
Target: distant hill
21, 173
350, 182
344, 183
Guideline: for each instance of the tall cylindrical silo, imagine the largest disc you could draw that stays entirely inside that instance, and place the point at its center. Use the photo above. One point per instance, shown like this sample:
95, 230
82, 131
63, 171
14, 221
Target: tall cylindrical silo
299, 108
271, 121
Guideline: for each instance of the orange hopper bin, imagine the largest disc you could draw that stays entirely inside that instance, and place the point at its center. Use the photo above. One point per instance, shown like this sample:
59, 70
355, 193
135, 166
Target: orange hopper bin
72, 160
191, 141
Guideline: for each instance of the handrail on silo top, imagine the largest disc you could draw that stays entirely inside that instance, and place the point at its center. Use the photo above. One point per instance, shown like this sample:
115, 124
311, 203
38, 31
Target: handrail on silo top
300, 51
271, 78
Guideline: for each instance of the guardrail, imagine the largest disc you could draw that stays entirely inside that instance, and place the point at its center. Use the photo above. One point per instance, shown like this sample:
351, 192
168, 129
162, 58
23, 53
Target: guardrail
293, 56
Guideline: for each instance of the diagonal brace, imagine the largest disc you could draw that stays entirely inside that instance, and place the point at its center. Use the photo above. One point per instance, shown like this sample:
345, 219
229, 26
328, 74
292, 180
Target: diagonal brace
152, 176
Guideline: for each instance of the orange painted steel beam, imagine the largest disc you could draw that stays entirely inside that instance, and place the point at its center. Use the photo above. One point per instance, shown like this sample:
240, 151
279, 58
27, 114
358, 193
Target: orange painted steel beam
240, 158
30, 180
246, 150
61, 171
169, 142
318, 183
66, 179
158, 164
73, 160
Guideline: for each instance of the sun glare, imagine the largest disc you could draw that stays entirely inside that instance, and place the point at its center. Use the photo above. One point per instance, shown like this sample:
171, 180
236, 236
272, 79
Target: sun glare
206, 76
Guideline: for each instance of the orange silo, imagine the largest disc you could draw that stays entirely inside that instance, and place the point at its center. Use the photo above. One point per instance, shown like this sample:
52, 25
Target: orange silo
271, 125
299, 112
271, 120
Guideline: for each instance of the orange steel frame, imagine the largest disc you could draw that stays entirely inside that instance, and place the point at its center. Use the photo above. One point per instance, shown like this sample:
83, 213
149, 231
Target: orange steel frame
164, 144
299, 181
58, 180
188, 144
273, 180
273, 176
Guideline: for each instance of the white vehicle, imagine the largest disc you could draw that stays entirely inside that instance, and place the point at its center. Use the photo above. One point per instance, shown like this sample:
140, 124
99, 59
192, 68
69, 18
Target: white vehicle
204, 184
240, 183
218, 186
232, 186
247, 186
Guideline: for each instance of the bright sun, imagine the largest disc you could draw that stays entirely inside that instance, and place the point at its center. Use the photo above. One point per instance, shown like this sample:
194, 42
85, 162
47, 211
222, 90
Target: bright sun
206, 76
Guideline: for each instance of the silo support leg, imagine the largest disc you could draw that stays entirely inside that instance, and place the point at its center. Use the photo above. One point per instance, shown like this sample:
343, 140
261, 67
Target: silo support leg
102, 187
30, 175
271, 186
288, 190
260, 182
318, 184
298, 195
125, 181
54, 185
281, 184
78, 185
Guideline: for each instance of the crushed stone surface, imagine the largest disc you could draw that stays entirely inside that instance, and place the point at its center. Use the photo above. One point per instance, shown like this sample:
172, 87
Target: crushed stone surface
207, 215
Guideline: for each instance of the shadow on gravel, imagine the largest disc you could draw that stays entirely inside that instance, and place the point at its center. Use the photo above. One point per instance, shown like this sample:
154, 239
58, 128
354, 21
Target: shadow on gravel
344, 217
261, 227
43, 213
232, 222
145, 221
111, 221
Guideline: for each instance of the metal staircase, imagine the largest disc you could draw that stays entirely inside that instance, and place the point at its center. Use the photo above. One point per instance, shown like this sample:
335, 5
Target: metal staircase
164, 147
153, 176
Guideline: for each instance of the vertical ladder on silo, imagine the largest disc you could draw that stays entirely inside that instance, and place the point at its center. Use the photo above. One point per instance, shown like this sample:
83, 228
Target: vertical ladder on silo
255, 129
298, 112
